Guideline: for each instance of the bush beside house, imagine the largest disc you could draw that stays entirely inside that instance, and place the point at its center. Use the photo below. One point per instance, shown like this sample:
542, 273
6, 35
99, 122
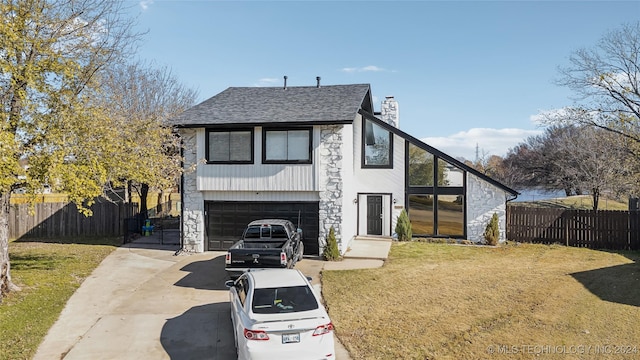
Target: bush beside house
331, 251
403, 227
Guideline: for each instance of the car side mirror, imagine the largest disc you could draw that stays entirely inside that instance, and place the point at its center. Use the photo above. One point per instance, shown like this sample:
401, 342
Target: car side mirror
230, 283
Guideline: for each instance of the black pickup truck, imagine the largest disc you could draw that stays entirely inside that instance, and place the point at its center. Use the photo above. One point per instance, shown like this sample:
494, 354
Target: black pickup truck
267, 243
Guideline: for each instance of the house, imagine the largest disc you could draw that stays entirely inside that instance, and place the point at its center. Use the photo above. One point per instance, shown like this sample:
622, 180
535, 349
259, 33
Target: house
320, 156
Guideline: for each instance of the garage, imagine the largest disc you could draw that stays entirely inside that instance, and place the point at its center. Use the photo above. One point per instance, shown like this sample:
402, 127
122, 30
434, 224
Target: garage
227, 219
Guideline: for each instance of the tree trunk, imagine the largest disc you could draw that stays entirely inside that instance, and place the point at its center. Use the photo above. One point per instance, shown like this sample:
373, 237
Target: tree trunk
596, 197
127, 192
144, 191
159, 206
5, 267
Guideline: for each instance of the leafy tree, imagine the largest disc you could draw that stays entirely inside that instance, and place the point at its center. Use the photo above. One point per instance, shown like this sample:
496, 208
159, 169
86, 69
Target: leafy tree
51, 56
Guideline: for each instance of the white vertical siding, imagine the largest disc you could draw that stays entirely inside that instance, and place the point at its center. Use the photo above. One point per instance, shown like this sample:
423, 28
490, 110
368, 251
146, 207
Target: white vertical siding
257, 176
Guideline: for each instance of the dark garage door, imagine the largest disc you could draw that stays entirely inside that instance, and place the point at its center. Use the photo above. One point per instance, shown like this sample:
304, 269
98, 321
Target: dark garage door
227, 219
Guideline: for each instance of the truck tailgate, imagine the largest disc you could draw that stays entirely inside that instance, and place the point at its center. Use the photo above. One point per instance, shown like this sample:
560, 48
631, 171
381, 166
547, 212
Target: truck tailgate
254, 258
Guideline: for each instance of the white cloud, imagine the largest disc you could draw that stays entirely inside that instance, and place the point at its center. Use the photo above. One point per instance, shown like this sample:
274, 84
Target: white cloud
144, 4
489, 142
269, 82
369, 68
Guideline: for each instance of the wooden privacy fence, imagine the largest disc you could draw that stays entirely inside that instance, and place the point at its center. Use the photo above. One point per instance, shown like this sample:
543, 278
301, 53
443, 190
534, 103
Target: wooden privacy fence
56, 220
608, 229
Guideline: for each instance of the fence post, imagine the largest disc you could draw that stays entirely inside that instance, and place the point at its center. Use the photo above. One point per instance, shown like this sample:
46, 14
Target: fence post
566, 227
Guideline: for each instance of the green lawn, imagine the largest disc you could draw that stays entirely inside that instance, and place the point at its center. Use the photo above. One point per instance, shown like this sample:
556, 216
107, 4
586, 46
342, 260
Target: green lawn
440, 301
48, 274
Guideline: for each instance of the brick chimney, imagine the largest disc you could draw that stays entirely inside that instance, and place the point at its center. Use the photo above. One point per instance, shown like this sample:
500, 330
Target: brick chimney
389, 111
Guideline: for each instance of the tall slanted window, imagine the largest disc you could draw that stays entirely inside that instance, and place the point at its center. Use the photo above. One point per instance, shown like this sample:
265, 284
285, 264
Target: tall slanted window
436, 194
230, 146
377, 145
287, 146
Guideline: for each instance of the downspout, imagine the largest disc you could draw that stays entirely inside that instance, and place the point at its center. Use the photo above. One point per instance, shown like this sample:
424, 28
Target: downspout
181, 249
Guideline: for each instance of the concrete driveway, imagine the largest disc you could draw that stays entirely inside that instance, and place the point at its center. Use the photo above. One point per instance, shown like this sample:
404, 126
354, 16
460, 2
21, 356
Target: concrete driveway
145, 302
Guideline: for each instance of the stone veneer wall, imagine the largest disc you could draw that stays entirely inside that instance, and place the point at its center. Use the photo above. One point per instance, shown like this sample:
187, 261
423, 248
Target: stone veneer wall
192, 199
390, 112
330, 183
483, 200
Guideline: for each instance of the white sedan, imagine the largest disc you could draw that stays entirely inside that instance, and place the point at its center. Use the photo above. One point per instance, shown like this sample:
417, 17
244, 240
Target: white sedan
277, 315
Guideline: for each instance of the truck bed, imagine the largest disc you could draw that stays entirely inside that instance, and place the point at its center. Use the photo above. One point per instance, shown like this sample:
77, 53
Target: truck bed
259, 244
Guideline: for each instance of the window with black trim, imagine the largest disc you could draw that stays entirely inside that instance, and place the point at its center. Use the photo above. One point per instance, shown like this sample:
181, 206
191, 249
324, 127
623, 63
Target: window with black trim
286, 146
377, 146
436, 194
230, 146
450, 175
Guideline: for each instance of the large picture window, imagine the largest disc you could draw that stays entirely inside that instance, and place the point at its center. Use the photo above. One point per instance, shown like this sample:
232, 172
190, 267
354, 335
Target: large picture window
451, 215
421, 214
436, 193
230, 146
377, 146
287, 146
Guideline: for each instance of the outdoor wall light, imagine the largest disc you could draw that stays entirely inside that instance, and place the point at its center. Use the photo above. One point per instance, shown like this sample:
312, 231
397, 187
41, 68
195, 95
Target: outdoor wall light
355, 201
395, 200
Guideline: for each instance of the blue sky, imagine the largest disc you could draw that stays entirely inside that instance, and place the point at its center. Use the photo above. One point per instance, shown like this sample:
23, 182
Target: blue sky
464, 73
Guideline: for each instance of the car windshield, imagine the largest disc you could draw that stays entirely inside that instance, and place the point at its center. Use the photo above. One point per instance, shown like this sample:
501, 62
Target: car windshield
283, 300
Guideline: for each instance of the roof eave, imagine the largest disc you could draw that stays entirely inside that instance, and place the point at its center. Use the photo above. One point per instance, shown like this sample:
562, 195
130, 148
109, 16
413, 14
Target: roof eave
437, 152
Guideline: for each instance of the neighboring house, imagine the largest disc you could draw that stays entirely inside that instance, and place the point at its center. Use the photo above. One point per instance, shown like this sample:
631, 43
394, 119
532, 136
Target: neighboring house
319, 156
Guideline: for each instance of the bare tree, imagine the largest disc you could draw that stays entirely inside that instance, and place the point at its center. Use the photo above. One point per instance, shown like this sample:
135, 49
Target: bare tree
577, 159
594, 161
142, 99
606, 80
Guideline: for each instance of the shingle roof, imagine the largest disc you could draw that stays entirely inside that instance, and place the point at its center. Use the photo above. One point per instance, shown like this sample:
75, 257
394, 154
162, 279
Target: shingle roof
263, 105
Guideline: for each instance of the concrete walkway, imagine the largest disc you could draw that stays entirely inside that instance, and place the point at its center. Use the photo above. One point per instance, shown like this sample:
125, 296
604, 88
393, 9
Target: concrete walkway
145, 302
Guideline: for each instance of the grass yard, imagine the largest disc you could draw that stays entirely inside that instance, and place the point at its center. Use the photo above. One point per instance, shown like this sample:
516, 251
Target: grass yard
48, 274
439, 301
